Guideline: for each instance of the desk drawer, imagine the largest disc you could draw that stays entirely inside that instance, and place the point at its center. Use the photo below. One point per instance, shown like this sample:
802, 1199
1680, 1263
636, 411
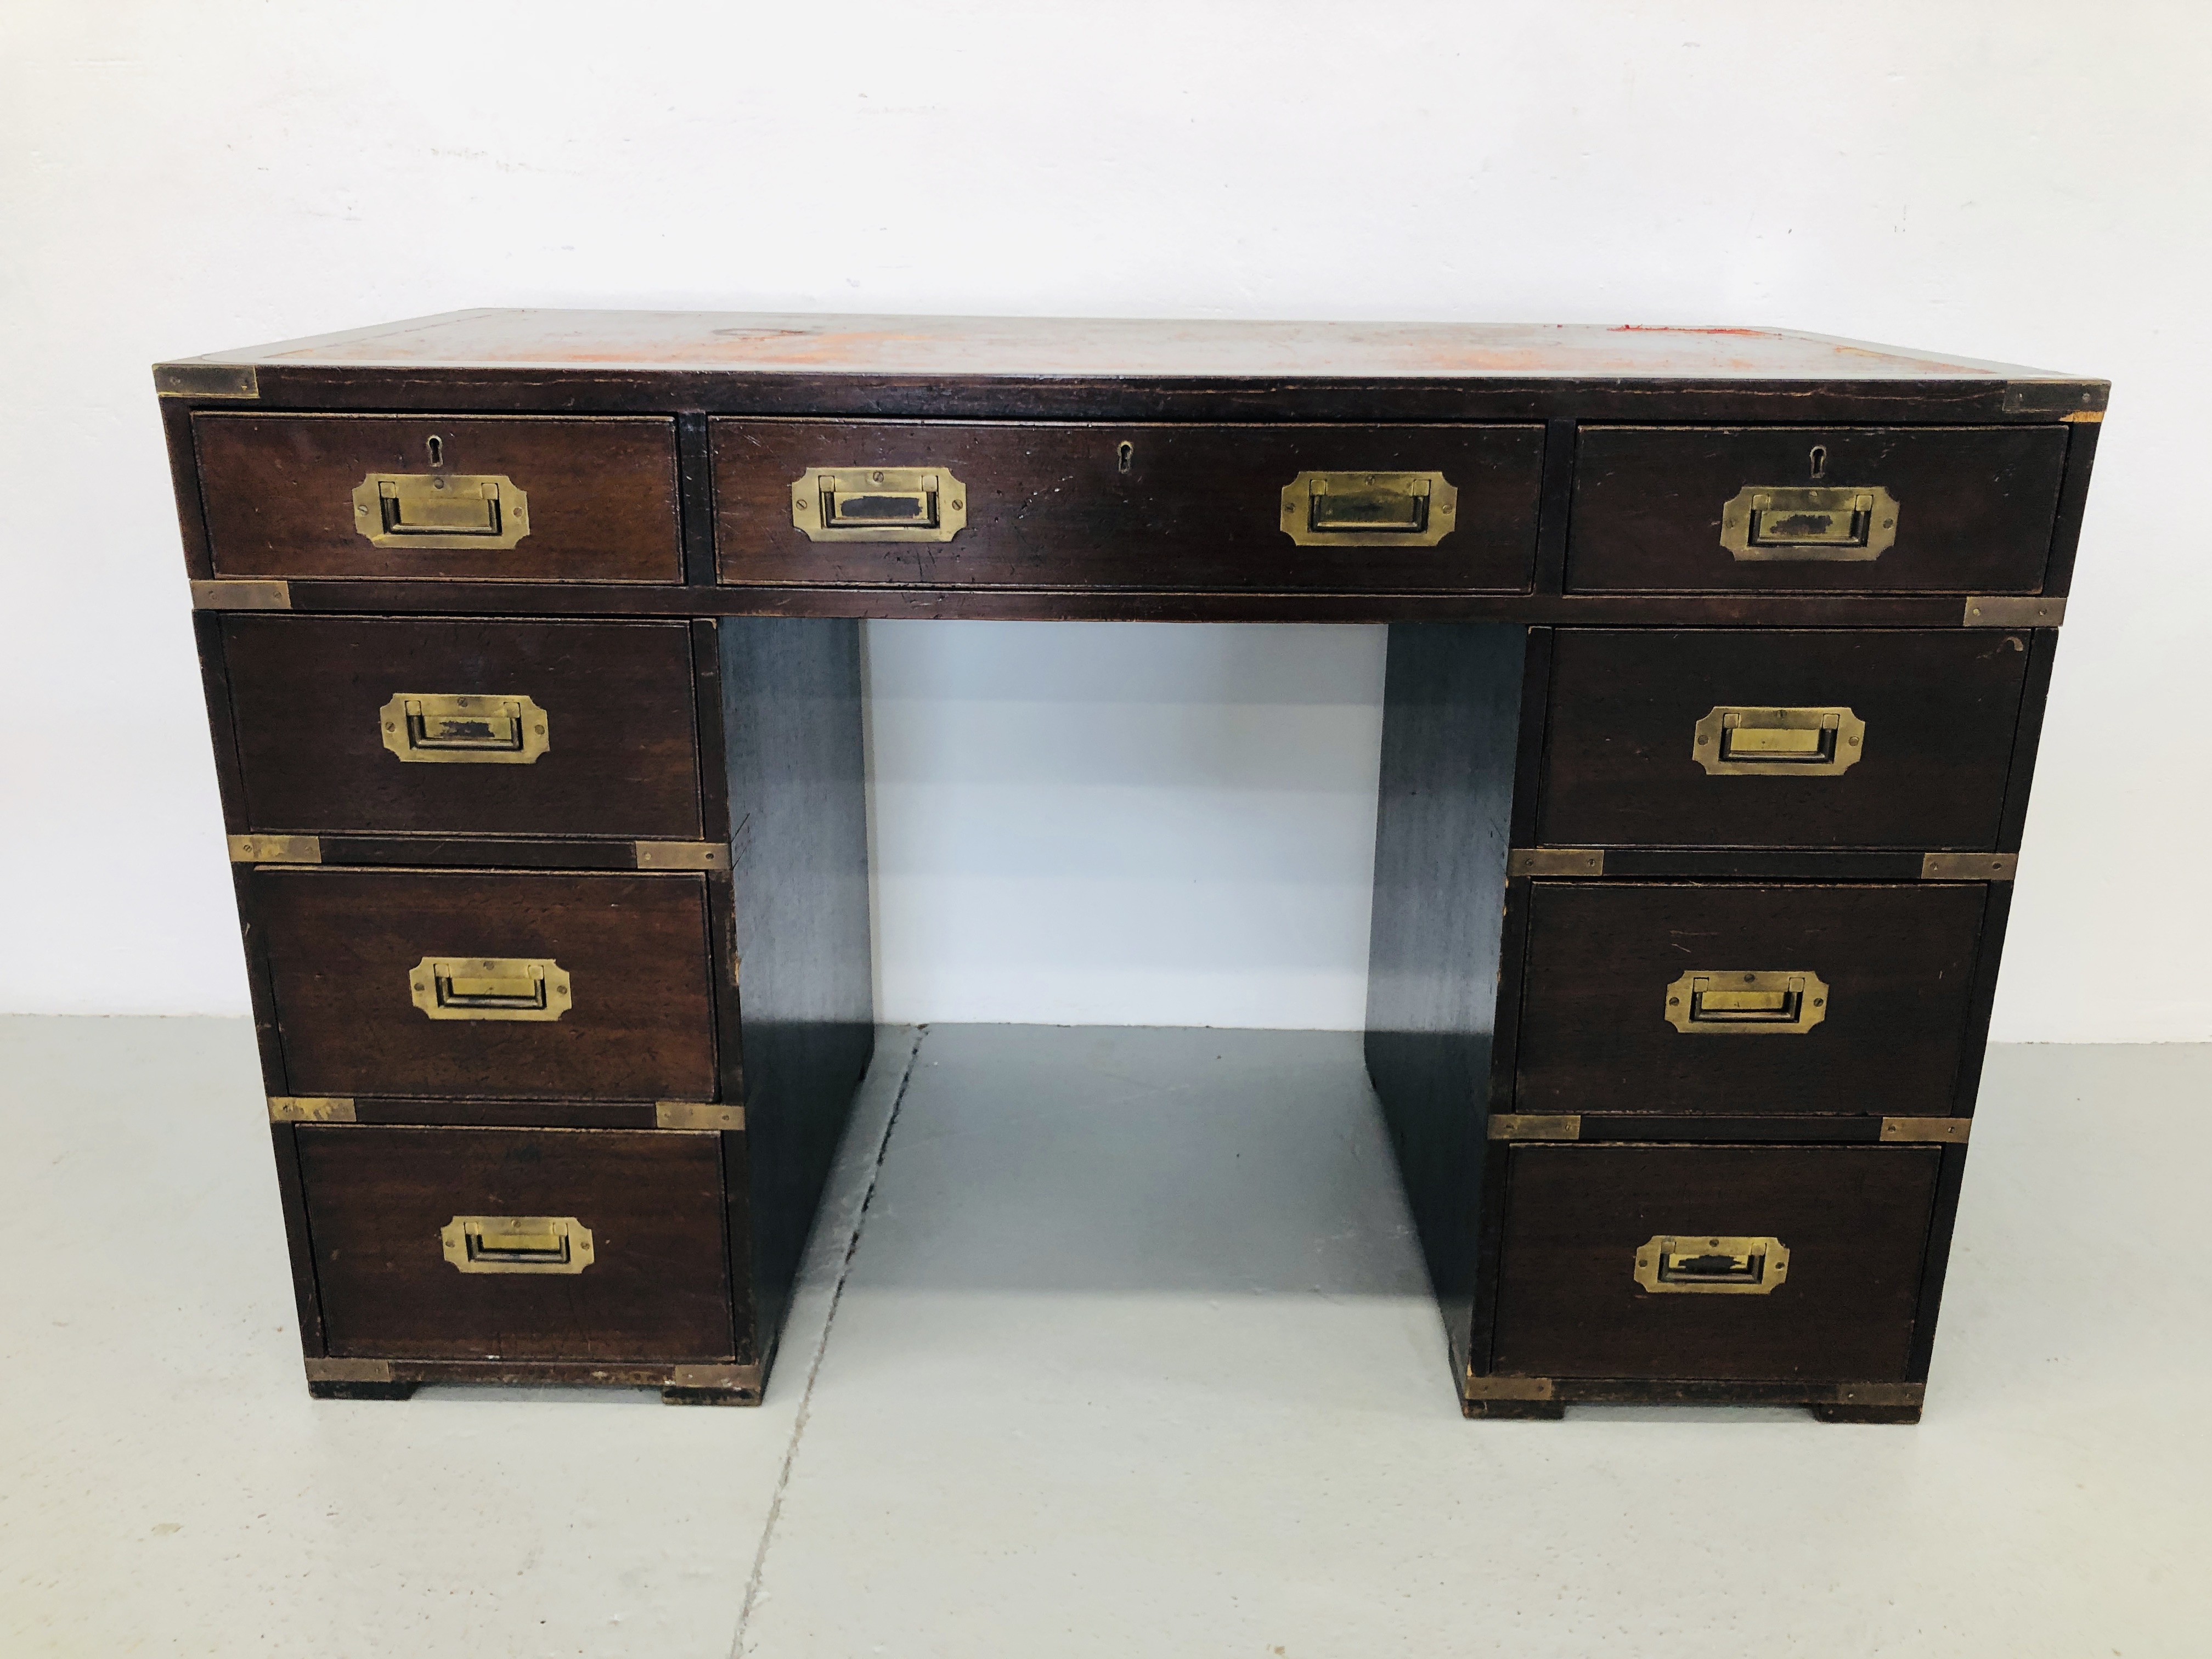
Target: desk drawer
1868, 738
424, 725
544, 498
1582, 1222
597, 987
1180, 507
1741, 1000
1814, 509
612, 1250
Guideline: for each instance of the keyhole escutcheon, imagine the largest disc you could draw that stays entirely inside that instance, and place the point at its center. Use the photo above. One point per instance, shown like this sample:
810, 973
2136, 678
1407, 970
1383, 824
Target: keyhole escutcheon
436, 446
1124, 453
1820, 458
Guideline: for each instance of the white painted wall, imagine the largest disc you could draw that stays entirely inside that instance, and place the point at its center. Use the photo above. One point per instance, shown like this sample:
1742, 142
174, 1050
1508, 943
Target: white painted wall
1113, 824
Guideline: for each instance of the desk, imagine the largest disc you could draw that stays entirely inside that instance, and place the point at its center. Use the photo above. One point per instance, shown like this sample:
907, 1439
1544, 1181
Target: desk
1717, 662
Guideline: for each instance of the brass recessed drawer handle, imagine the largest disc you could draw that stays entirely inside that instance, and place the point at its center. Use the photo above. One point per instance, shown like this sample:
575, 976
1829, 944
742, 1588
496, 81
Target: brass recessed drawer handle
476, 731
1710, 1266
1777, 522
434, 510
1736, 740
489, 988
1741, 1002
1369, 509
517, 1243
878, 504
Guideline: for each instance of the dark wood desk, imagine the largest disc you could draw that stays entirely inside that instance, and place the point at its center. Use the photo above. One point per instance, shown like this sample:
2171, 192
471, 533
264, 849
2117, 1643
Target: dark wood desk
1717, 658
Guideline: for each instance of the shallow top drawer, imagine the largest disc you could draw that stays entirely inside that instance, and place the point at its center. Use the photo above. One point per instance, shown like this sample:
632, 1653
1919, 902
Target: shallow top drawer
1812, 509
530, 498
1781, 737
1182, 508
432, 726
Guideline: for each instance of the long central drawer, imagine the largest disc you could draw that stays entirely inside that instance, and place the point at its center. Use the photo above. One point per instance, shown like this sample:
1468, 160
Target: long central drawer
972, 504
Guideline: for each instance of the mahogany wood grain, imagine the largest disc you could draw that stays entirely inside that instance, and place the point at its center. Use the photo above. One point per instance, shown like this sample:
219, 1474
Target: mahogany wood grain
657, 1288
342, 944
622, 755
278, 494
1941, 710
923, 604
1856, 1220
1196, 509
806, 993
1451, 708
1976, 506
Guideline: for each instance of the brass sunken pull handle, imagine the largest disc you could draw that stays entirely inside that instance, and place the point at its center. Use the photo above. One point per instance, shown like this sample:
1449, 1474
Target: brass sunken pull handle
1740, 1002
878, 504
489, 988
1777, 522
476, 731
517, 1243
1369, 509
1736, 740
431, 510
1711, 1266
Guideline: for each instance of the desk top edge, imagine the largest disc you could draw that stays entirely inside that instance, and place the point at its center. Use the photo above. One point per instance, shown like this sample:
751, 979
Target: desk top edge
1046, 348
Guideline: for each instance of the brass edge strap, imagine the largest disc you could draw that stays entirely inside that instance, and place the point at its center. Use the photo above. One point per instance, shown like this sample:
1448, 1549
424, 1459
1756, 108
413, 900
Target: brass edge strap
1877, 1394
310, 1108
1902, 1130
681, 855
348, 1370
206, 380
1627, 1390
2085, 416
1555, 861
2010, 610
725, 1375
714, 1377
1512, 1126
697, 1114
276, 849
1968, 866
226, 593
1505, 1388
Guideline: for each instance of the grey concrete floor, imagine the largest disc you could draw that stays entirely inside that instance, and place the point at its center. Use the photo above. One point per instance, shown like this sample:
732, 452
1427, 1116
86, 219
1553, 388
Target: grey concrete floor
1131, 1356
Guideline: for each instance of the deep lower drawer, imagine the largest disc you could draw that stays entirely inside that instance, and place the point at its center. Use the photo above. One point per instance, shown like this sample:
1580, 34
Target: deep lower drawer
481, 498
1814, 510
1781, 1263
1868, 738
1743, 999
473, 727
518, 1244
1352, 508
504, 984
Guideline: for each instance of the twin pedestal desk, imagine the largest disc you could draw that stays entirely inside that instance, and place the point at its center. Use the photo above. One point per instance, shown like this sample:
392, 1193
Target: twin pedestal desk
1717, 662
